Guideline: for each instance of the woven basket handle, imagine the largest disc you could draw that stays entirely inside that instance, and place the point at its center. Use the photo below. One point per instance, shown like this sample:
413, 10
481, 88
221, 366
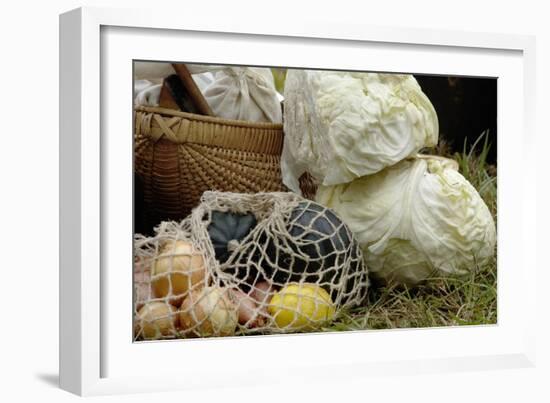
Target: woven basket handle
194, 92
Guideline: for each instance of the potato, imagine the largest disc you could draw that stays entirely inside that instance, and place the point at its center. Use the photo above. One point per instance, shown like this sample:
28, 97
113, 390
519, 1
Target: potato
155, 320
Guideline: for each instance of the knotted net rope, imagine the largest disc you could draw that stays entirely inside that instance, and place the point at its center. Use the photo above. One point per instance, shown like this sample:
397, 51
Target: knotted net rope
297, 268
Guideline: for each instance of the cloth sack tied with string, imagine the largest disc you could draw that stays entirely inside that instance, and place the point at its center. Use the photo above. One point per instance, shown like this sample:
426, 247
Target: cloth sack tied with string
238, 93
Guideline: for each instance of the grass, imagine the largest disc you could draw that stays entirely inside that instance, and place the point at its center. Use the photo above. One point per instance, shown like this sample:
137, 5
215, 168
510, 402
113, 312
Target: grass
279, 76
439, 301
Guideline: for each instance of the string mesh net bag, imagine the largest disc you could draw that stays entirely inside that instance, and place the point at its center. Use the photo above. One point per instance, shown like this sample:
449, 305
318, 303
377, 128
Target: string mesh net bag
245, 264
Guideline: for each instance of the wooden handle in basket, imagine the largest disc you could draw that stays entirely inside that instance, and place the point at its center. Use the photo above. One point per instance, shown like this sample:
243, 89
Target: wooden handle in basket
194, 92
166, 99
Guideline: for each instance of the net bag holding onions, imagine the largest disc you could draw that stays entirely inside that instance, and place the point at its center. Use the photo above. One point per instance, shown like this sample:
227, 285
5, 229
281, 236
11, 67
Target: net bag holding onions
247, 264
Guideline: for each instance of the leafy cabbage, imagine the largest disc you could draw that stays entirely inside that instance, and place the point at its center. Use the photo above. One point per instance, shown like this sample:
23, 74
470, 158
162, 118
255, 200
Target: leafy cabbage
417, 219
343, 125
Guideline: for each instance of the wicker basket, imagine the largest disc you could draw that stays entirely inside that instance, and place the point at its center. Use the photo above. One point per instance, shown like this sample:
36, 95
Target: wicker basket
180, 155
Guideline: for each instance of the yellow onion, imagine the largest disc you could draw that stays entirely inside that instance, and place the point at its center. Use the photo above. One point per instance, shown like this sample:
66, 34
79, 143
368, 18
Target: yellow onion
208, 312
155, 320
178, 268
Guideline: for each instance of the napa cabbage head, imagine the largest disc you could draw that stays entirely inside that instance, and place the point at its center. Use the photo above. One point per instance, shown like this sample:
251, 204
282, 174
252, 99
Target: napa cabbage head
418, 219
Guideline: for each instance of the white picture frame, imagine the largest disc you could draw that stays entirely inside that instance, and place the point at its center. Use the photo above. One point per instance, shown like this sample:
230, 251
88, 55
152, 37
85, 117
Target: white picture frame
97, 355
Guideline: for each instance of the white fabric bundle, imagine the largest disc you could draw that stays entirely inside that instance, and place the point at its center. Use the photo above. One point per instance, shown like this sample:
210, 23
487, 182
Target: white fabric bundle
343, 125
146, 93
244, 93
241, 93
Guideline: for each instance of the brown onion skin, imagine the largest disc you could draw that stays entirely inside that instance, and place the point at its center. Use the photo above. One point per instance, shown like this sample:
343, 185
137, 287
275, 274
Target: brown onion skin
208, 312
156, 320
178, 269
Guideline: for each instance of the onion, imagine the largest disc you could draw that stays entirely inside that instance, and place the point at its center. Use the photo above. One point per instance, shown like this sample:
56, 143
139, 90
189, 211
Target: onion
142, 284
252, 307
156, 319
142, 288
262, 292
247, 309
179, 267
208, 312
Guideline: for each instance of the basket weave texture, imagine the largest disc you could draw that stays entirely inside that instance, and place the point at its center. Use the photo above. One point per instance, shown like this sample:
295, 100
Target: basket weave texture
180, 155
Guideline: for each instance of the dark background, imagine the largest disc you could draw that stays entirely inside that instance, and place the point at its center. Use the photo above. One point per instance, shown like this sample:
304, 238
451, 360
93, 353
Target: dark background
465, 107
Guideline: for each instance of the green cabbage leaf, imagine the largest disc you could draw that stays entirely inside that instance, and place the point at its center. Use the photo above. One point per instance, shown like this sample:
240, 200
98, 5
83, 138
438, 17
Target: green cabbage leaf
340, 126
418, 219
